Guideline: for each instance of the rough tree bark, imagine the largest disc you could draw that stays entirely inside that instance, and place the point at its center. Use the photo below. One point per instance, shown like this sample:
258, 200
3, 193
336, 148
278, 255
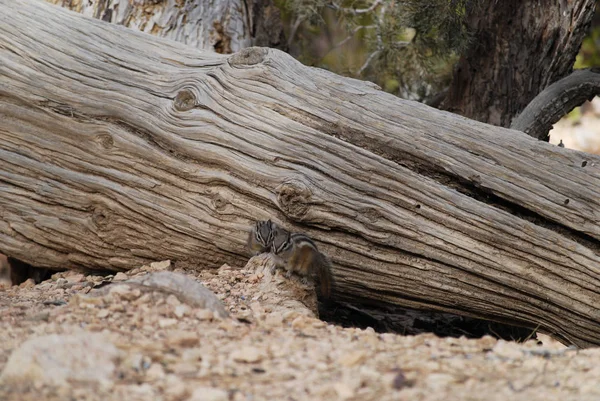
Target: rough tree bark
118, 148
519, 48
224, 26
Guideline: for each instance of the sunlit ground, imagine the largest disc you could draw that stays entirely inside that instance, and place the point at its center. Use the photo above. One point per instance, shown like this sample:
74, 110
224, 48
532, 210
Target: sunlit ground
580, 129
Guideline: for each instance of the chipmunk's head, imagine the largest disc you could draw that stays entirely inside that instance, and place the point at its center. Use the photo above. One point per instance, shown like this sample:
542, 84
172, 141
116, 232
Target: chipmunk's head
264, 232
281, 240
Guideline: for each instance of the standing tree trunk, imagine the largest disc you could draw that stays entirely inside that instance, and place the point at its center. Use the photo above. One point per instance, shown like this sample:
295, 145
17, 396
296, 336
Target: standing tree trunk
519, 48
224, 26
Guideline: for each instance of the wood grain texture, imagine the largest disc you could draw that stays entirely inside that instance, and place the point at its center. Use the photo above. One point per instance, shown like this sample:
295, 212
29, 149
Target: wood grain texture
118, 148
223, 26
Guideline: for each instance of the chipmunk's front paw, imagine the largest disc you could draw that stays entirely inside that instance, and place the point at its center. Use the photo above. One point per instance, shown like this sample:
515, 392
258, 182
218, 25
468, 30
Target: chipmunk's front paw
288, 274
305, 281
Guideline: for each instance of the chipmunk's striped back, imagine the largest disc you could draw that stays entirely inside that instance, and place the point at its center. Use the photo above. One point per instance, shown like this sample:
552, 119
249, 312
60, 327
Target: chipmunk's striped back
298, 253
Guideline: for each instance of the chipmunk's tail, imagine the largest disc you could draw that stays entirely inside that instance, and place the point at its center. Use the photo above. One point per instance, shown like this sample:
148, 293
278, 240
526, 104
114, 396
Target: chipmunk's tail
324, 276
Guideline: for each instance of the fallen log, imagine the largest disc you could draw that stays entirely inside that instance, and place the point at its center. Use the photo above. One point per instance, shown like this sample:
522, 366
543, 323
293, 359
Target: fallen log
118, 148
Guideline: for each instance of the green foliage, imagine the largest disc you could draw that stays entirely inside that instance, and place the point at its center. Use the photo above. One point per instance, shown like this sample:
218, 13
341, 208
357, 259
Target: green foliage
589, 54
407, 47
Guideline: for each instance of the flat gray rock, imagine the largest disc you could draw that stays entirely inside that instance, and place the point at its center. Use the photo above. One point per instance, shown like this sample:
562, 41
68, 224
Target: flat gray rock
59, 360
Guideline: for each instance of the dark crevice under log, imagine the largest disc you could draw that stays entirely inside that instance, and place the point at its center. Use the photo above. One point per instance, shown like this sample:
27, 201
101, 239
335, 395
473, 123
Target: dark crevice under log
171, 153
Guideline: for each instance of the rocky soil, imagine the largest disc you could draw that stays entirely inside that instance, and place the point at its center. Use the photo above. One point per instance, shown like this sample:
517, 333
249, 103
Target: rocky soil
80, 337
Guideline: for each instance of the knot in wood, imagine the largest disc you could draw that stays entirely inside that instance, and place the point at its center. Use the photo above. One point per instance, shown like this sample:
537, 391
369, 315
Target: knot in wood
248, 56
371, 214
105, 140
185, 100
219, 202
100, 217
294, 198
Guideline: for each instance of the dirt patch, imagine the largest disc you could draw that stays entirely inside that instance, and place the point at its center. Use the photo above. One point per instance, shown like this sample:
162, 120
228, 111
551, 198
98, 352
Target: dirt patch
268, 348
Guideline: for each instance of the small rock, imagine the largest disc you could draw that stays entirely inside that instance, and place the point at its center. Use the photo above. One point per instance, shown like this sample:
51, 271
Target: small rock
245, 315
142, 391
175, 388
192, 355
144, 299
125, 292
29, 283
439, 382
318, 323
399, 380
135, 362
164, 323
300, 322
117, 308
181, 310
42, 316
343, 390
155, 372
88, 300
119, 289
184, 369
102, 313
224, 267
247, 354
352, 358
228, 326
133, 295
209, 394
75, 278
239, 396
184, 339
187, 289
204, 314
157, 266
172, 300
120, 276
257, 308
274, 319
509, 350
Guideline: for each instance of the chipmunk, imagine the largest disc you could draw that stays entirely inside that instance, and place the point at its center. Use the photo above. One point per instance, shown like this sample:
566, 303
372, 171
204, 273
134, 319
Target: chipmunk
298, 253
260, 238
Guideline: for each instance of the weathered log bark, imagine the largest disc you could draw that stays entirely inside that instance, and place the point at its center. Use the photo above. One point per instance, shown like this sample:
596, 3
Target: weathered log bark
118, 148
224, 26
519, 48
557, 100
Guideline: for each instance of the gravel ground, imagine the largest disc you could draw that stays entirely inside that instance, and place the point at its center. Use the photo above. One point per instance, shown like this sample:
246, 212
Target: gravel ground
62, 339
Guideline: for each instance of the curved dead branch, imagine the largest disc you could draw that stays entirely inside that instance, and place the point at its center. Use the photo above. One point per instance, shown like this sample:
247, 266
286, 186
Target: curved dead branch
557, 100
